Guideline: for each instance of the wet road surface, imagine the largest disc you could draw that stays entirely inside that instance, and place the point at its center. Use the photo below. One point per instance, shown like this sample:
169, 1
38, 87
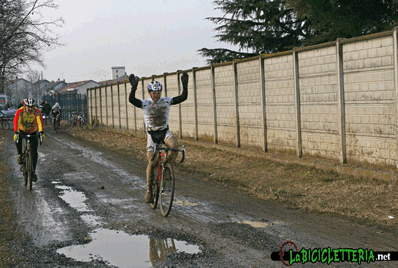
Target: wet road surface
87, 210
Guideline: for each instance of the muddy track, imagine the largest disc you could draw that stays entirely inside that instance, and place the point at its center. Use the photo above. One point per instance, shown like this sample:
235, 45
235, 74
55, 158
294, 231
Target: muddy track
87, 210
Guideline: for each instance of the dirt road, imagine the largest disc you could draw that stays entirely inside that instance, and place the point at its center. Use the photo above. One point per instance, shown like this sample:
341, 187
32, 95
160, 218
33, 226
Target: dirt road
87, 210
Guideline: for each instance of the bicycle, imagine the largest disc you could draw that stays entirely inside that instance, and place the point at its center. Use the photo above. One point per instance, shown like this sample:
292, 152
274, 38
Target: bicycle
4, 122
81, 119
27, 158
57, 123
163, 183
73, 119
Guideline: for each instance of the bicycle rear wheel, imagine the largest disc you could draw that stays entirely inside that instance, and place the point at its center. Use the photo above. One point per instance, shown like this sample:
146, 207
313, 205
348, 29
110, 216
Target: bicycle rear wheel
29, 167
5, 125
57, 124
24, 167
155, 188
167, 185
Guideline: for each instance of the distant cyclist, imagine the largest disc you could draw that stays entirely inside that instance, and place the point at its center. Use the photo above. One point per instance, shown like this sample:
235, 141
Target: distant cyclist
29, 121
156, 116
46, 109
56, 110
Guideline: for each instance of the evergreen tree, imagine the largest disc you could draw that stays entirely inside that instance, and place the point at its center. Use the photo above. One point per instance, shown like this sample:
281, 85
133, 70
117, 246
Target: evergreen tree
269, 26
332, 19
255, 26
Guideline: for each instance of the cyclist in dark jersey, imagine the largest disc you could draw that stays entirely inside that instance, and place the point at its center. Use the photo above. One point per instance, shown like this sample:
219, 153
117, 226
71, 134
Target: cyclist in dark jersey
156, 116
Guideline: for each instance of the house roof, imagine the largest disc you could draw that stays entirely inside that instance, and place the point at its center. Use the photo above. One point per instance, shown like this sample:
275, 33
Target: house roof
113, 81
15, 80
38, 82
72, 86
52, 85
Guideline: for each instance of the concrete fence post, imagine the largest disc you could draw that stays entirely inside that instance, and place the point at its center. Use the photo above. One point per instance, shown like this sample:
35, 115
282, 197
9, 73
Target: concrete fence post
112, 107
106, 105
299, 145
236, 95
195, 103
263, 104
213, 87
341, 100
126, 103
90, 116
100, 103
165, 84
395, 37
118, 104
96, 106
179, 105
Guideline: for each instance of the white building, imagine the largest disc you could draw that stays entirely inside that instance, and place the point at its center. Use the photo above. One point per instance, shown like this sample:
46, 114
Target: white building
118, 72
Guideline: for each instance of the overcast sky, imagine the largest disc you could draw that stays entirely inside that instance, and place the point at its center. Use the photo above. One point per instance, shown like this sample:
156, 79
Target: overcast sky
147, 37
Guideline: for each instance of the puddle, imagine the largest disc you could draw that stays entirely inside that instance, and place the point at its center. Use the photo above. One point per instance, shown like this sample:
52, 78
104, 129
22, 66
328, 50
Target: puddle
256, 224
123, 250
185, 203
74, 198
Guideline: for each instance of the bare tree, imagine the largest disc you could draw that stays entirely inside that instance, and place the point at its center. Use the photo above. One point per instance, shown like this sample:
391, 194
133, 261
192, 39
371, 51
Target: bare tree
34, 76
25, 35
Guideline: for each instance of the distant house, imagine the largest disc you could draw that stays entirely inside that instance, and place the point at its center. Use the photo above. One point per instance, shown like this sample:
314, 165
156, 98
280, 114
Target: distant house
52, 87
114, 81
41, 84
18, 89
77, 87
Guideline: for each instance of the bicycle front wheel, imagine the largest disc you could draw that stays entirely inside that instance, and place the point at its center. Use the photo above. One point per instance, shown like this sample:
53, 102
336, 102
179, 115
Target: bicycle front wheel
155, 188
167, 185
29, 167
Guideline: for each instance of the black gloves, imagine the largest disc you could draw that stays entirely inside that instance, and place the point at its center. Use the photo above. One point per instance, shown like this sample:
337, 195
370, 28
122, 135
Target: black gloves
133, 81
42, 137
184, 79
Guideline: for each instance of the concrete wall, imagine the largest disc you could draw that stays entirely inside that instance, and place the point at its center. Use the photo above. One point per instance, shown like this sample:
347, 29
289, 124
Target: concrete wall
335, 100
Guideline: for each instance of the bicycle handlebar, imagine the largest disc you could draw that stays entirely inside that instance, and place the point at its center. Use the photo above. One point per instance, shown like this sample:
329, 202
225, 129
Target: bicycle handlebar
27, 136
160, 148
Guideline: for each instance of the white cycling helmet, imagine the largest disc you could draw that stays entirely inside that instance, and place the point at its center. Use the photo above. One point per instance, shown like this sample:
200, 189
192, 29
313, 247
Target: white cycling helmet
29, 101
154, 86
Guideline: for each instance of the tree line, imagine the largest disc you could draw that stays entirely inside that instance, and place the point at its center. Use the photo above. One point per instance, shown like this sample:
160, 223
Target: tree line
268, 26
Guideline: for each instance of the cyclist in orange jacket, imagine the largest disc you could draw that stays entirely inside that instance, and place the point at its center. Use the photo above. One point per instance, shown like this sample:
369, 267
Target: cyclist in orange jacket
28, 121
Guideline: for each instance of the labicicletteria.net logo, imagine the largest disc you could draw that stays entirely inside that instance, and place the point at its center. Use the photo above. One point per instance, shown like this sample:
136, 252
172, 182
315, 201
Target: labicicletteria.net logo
289, 254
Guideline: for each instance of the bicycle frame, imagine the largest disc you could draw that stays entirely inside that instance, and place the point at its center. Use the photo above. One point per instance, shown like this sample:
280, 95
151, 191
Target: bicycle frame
162, 192
27, 166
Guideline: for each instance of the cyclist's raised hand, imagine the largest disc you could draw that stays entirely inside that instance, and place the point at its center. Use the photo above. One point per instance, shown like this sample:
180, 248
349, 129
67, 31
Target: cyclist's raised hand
133, 81
185, 79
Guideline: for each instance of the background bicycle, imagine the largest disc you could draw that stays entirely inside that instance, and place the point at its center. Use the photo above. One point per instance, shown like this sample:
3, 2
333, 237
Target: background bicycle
76, 119
4, 124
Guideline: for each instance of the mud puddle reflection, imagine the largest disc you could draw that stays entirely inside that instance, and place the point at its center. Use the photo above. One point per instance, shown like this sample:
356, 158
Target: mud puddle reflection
123, 250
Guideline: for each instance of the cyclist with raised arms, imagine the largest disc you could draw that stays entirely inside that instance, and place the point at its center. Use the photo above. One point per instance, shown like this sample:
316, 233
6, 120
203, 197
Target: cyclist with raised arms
156, 116
28, 121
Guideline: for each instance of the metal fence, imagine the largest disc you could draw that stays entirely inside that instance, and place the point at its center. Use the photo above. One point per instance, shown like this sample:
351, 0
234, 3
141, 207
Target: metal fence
69, 102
